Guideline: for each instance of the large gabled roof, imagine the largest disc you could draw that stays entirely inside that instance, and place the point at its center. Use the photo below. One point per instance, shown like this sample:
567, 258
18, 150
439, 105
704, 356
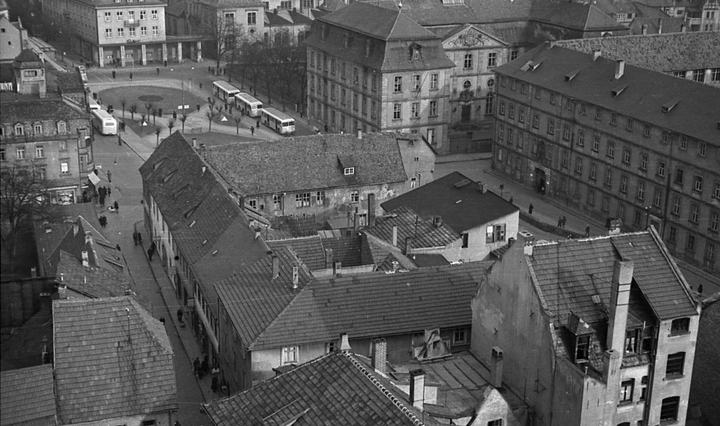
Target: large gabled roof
112, 359
253, 299
29, 110
423, 232
90, 281
644, 94
376, 304
457, 200
335, 389
210, 230
308, 163
569, 273
659, 52
27, 397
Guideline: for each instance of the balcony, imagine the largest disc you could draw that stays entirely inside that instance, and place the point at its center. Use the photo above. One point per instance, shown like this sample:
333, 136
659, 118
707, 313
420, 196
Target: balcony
132, 23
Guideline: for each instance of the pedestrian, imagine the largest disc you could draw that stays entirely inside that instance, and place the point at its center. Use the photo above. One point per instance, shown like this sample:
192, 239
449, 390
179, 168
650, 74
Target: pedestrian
214, 385
180, 314
119, 141
587, 230
135, 238
113, 74
511, 199
157, 70
102, 200
174, 115
130, 76
564, 221
258, 124
559, 225
109, 175
530, 208
103, 221
165, 64
196, 365
205, 365
252, 131
326, 128
116, 206
109, 191
215, 372
117, 246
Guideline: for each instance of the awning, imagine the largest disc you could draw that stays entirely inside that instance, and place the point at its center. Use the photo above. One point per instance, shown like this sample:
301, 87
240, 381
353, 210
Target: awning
94, 178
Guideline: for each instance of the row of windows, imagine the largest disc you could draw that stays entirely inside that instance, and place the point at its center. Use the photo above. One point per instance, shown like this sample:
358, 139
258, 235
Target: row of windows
37, 129
699, 74
21, 151
469, 60
119, 15
131, 32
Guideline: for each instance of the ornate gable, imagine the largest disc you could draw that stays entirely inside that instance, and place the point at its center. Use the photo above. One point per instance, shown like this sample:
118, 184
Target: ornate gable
467, 37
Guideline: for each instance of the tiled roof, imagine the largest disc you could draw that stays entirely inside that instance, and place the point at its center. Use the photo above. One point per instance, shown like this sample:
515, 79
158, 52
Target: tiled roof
253, 299
307, 163
231, 3
662, 25
570, 272
309, 250
410, 225
706, 374
456, 199
424, 260
37, 109
90, 281
376, 304
334, 389
112, 359
274, 20
27, 55
572, 15
346, 249
388, 33
658, 52
27, 396
645, 93
208, 226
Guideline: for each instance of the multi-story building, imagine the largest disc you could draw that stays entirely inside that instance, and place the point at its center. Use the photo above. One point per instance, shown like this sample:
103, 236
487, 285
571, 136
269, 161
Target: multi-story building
46, 135
614, 140
690, 55
374, 69
597, 331
13, 38
116, 32
226, 22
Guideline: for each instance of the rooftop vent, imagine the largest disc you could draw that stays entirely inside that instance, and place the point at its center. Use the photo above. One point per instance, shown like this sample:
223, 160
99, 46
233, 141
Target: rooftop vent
531, 66
192, 224
462, 183
572, 74
667, 107
618, 90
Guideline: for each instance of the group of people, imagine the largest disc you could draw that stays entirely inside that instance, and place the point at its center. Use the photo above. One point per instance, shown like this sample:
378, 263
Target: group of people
103, 192
137, 237
562, 220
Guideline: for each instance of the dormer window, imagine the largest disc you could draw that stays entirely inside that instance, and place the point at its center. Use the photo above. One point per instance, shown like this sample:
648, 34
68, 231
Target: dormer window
19, 130
349, 171
414, 52
61, 127
582, 348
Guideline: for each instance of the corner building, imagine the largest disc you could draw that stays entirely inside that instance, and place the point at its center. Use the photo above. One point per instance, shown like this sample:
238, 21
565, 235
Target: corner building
374, 69
614, 140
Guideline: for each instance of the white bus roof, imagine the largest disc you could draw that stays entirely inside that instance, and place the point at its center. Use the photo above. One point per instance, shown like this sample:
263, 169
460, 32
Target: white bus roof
276, 113
247, 97
226, 86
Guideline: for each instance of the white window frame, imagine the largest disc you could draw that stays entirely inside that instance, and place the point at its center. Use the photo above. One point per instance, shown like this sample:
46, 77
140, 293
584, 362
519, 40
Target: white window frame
290, 355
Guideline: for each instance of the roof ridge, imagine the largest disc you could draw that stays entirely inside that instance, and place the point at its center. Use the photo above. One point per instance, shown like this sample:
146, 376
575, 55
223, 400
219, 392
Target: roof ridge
395, 400
673, 266
279, 315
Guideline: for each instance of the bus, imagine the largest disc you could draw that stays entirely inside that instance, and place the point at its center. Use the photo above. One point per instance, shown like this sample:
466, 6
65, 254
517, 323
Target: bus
224, 90
248, 105
276, 120
92, 104
104, 122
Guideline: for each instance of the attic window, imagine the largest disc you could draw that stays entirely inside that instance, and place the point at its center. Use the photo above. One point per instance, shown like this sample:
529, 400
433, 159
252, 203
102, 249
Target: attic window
531, 66
667, 107
618, 90
572, 74
156, 165
349, 171
414, 52
190, 212
167, 178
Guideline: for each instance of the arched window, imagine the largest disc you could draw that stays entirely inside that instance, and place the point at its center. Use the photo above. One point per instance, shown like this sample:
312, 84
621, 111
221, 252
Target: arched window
37, 129
19, 130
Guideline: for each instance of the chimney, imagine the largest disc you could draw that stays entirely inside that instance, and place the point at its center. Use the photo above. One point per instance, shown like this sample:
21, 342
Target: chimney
596, 54
528, 249
344, 343
613, 225
682, 28
194, 142
295, 277
619, 298
437, 221
496, 367
371, 209
644, 29
660, 22
612, 360
275, 266
482, 187
379, 355
45, 354
62, 290
359, 134
337, 267
204, 169
394, 236
88, 237
408, 246
417, 388
85, 259
395, 265
619, 68
328, 258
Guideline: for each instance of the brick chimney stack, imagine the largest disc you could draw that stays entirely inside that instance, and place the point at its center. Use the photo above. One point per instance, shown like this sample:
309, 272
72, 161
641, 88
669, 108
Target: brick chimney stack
619, 299
417, 388
379, 355
496, 367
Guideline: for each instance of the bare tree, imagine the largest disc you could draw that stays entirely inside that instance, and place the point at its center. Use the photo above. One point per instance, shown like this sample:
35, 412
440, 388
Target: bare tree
133, 110
237, 125
171, 124
183, 118
154, 114
123, 102
210, 116
148, 107
157, 136
223, 31
252, 61
24, 197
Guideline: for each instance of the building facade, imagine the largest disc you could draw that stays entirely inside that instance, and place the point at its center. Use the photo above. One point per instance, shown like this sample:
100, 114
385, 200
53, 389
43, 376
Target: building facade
373, 69
117, 32
614, 140
605, 328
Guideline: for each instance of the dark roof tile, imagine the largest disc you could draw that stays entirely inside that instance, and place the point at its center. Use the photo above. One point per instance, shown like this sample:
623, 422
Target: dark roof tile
27, 397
